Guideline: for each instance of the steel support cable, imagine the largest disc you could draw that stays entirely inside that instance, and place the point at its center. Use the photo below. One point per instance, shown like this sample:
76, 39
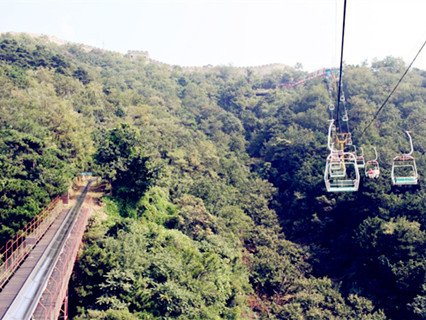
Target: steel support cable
347, 122
393, 90
330, 96
341, 65
346, 115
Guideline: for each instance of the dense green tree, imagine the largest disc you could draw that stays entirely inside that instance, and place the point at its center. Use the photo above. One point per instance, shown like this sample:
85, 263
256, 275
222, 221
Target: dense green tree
122, 162
218, 206
31, 173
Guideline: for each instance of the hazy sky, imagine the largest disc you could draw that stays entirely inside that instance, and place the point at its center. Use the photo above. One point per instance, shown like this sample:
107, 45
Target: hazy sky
237, 32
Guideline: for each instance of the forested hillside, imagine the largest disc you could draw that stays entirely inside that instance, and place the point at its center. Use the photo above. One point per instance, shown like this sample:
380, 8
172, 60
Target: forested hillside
217, 207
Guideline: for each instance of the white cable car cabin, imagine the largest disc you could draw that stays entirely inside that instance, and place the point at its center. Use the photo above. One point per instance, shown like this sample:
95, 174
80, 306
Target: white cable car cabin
341, 172
342, 183
337, 168
372, 168
404, 169
360, 160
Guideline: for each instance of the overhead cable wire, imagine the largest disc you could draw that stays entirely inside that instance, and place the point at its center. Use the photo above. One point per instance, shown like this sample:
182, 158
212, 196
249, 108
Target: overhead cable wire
393, 90
341, 64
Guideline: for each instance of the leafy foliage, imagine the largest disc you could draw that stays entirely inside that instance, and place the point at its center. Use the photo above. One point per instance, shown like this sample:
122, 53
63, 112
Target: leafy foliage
122, 162
218, 208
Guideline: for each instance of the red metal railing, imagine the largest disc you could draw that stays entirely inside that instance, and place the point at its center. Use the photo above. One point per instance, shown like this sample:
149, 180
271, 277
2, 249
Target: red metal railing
319, 73
310, 76
16, 249
52, 299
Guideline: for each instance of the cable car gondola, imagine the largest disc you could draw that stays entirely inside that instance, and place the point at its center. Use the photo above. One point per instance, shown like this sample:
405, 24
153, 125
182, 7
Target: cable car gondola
360, 160
341, 172
404, 169
347, 183
372, 168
